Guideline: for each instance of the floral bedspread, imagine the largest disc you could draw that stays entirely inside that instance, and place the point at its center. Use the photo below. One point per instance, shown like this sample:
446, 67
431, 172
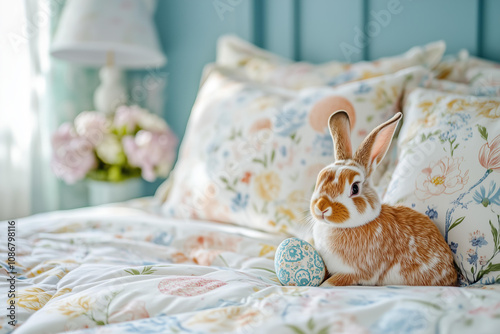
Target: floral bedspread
124, 269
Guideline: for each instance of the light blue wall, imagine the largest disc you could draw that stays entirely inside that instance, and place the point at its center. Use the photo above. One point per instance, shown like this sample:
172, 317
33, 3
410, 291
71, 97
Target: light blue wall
312, 30
489, 35
421, 21
188, 32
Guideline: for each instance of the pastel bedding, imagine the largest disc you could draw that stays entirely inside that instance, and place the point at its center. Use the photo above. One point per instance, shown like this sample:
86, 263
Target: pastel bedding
150, 267
124, 269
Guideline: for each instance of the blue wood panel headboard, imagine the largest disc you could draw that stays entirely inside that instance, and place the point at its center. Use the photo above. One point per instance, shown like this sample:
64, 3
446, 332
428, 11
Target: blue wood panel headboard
315, 31
318, 30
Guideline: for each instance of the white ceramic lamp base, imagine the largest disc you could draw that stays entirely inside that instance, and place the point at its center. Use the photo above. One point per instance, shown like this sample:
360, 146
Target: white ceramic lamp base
111, 93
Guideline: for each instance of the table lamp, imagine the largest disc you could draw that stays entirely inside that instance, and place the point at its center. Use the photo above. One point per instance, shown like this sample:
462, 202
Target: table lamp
114, 33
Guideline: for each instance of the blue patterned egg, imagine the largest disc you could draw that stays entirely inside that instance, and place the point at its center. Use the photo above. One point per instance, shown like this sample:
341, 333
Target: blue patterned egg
297, 263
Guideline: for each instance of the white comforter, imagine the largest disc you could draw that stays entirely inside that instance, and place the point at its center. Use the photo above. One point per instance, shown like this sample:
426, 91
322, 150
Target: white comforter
123, 269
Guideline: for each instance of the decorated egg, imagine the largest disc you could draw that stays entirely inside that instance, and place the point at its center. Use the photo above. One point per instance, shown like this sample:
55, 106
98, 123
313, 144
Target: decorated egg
297, 263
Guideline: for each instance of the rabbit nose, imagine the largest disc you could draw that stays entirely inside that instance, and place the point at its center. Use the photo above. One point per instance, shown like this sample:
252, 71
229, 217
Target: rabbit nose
327, 212
323, 208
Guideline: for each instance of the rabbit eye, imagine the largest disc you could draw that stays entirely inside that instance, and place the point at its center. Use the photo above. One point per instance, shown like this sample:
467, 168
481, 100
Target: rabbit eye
355, 188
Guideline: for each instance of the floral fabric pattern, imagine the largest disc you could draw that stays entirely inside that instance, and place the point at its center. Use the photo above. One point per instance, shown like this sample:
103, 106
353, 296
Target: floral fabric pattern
462, 67
297, 263
484, 76
265, 67
449, 169
124, 269
252, 153
442, 177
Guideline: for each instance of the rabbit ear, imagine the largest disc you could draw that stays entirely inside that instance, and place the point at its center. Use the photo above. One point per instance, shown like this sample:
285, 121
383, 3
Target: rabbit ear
340, 129
373, 149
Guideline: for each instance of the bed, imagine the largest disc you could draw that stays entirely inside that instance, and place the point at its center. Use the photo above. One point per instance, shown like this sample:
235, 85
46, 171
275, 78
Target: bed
124, 269
205, 263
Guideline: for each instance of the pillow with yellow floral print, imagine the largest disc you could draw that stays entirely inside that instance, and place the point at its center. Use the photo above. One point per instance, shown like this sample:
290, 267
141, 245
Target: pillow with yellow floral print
252, 152
485, 79
476, 87
457, 67
265, 67
449, 169
429, 81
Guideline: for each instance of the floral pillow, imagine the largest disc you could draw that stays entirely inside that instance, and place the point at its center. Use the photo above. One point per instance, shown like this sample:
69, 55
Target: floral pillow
429, 81
484, 78
234, 52
484, 84
265, 67
251, 153
456, 67
449, 169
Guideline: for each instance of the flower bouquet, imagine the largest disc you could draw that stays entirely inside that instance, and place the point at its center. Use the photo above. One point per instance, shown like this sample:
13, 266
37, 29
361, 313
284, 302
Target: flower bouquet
129, 144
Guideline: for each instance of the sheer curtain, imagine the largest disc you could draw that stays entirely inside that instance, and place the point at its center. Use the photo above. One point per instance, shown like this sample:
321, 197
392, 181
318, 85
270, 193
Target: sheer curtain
37, 94
16, 118
60, 91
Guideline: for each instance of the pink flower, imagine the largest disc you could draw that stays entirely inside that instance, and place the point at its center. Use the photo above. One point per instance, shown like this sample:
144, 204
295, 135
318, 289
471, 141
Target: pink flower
134, 310
92, 125
154, 153
442, 177
127, 117
489, 155
73, 156
259, 125
188, 286
135, 118
490, 310
204, 249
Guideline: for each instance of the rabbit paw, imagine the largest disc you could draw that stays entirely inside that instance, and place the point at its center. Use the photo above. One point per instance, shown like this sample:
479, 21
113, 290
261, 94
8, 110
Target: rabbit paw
340, 280
326, 284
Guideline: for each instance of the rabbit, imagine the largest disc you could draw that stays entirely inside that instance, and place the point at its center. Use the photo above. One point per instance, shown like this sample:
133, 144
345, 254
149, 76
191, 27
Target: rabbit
362, 241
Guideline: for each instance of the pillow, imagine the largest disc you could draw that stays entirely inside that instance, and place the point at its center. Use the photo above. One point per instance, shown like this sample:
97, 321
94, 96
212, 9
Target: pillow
484, 77
449, 169
484, 83
456, 67
234, 52
262, 66
252, 152
428, 81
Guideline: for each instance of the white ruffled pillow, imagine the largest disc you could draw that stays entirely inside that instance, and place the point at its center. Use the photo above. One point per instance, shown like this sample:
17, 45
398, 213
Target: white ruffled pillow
265, 67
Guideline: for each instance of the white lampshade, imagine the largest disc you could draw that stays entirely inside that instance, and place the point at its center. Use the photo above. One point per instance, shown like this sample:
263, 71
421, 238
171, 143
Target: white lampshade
90, 29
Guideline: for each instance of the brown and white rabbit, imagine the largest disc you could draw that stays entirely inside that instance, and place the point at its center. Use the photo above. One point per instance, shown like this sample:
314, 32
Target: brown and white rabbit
362, 241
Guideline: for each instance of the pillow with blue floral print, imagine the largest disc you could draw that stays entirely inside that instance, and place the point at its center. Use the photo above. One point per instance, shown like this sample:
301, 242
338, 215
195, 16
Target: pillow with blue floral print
485, 79
252, 152
449, 169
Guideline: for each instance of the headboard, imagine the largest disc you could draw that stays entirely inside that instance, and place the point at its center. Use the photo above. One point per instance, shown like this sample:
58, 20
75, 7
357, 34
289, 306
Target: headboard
321, 30
315, 31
